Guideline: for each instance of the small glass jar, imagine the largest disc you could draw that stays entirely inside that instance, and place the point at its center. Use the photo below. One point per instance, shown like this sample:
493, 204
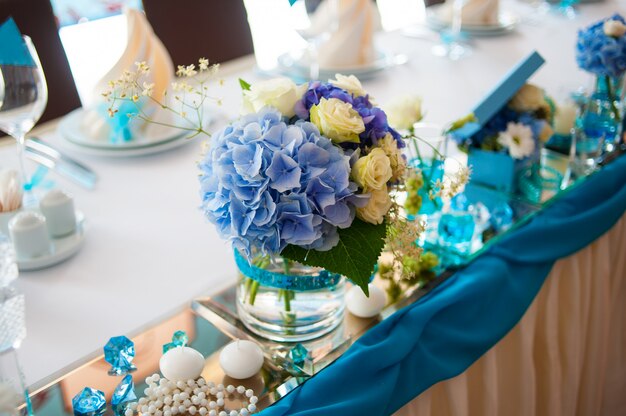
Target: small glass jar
286, 301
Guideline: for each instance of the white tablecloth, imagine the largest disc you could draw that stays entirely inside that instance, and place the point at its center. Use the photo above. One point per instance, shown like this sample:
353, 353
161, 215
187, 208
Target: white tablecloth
148, 249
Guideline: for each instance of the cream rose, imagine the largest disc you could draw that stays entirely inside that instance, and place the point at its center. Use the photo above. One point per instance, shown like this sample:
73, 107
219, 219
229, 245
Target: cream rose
349, 83
372, 172
396, 160
404, 112
337, 120
528, 98
377, 207
614, 28
280, 93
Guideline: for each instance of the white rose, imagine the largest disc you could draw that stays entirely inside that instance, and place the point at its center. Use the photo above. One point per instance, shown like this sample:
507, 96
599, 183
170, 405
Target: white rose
377, 207
614, 28
372, 172
337, 120
404, 112
280, 93
528, 98
349, 83
397, 161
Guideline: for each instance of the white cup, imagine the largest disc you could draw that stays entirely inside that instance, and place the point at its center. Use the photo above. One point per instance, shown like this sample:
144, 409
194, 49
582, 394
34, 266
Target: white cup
29, 234
58, 208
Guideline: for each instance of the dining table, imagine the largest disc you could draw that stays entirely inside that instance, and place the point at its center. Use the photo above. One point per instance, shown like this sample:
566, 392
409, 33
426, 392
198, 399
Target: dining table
149, 251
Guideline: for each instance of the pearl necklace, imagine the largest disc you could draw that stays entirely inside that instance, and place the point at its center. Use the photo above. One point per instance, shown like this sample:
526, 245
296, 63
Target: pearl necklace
194, 397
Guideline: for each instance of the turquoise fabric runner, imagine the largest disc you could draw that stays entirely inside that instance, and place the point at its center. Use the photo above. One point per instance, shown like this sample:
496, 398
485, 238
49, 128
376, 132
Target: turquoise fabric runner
444, 332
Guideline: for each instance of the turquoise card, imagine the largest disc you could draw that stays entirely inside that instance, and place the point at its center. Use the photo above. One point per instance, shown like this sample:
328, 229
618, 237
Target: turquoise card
502, 93
13, 50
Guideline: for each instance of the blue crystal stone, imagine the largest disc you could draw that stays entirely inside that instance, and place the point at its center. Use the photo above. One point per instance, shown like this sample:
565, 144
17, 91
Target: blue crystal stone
168, 346
456, 228
123, 395
119, 352
460, 203
89, 402
180, 338
501, 216
299, 355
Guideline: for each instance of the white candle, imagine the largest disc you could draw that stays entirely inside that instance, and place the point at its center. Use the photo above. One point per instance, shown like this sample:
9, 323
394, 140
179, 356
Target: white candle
241, 359
366, 307
181, 364
564, 118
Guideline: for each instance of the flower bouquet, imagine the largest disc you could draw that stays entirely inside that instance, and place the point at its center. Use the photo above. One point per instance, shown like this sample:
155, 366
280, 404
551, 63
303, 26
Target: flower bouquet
601, 51
510, 141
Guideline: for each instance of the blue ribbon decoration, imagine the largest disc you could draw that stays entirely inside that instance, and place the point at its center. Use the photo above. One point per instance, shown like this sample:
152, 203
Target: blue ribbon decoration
323, 280
444, 332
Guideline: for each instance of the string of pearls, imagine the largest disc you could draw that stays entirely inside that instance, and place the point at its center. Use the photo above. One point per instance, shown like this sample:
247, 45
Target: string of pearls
193, 397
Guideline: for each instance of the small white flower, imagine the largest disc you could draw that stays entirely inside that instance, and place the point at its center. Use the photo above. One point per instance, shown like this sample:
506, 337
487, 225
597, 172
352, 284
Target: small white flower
614, 28
190, 71
518, 138
9, 399
142, 67
203, 64
147, 89
349, 83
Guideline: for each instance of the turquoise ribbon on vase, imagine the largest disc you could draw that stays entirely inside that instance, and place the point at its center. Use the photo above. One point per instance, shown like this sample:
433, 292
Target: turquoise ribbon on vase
535, 179
323, 280
447, 330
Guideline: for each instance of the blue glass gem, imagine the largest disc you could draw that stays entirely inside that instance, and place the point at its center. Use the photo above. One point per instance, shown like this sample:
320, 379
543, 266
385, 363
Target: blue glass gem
123, 395
460, 202
456, 227
119, 352
168, 346
89, 402
299, 355
501, 216
180, 338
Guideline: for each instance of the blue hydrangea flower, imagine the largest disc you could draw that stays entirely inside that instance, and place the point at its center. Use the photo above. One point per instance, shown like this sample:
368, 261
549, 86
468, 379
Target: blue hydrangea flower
600, 54
266, 184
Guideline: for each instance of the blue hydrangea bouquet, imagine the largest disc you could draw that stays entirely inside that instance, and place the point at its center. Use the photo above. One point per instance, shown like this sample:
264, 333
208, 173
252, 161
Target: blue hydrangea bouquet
306, 173
601, 51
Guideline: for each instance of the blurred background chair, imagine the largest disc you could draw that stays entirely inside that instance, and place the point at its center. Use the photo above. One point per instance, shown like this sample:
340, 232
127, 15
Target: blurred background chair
191, 29
36, 19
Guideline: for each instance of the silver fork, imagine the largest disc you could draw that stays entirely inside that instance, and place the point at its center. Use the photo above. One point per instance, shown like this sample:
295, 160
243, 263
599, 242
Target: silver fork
48, 156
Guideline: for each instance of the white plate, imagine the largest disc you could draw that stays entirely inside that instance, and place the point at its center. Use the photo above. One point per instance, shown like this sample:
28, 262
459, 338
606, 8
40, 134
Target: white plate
154, 139
298, 67
61, 249
506, 23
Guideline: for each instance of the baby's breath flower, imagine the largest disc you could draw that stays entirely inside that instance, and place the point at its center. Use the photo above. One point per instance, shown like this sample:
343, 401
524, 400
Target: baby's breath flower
180, 70
203, 64
190, 71
142, 67
135, 98
147, 88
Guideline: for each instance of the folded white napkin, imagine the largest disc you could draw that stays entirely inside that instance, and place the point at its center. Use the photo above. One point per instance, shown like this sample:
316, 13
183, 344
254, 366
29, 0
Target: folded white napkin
474, 12
352, 44
142, 46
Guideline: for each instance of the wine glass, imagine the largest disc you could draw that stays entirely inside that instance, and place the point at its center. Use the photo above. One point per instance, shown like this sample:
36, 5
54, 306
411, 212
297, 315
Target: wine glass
451, 45
315, 21
23, 98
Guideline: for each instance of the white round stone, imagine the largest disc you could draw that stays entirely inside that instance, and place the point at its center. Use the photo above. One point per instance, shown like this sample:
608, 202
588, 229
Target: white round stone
366, 307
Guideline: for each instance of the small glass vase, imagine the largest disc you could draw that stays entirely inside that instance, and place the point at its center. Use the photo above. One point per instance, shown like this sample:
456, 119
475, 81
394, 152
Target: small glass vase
599, 125
286, 301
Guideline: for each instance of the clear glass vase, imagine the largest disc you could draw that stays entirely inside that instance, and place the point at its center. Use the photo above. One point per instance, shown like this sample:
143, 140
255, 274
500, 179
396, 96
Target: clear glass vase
286, 301
599, 125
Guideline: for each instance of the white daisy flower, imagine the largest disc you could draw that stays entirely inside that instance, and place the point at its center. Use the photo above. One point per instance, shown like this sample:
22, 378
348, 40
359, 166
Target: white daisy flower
518, 138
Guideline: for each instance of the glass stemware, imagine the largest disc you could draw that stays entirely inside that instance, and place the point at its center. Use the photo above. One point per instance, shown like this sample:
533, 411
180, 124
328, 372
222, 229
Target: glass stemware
23, 98
451, 45
315, 21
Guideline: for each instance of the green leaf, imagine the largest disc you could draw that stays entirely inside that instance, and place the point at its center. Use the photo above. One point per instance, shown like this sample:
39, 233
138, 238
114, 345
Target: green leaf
354, 256
244, 85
